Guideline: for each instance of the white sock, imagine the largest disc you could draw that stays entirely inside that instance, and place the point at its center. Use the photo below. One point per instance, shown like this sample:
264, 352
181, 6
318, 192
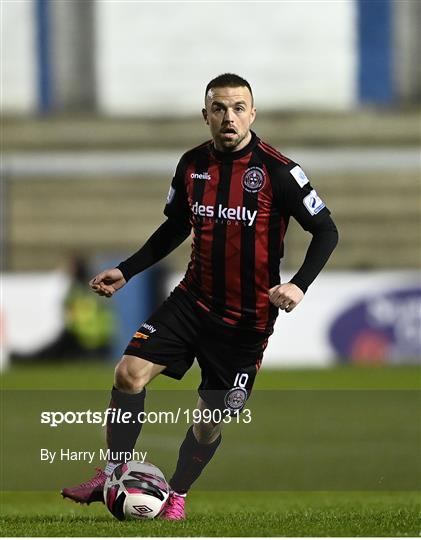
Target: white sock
184, 495
109, 468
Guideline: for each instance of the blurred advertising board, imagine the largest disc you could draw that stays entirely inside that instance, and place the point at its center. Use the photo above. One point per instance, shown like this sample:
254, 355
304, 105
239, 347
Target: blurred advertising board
357, 317
32, 309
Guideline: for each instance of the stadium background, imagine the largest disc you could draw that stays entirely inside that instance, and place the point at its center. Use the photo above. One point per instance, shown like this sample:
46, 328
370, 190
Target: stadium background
99, 99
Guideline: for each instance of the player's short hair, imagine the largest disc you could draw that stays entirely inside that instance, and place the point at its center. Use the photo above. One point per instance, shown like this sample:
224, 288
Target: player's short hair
228, 79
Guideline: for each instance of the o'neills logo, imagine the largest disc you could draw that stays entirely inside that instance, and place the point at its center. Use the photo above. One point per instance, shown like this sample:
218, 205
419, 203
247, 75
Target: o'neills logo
225, 213
201, 176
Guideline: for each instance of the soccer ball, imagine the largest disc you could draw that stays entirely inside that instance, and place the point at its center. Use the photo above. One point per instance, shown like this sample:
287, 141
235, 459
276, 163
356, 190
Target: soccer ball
136, 490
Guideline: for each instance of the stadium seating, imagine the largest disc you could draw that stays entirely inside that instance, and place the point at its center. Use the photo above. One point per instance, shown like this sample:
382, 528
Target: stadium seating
377, 211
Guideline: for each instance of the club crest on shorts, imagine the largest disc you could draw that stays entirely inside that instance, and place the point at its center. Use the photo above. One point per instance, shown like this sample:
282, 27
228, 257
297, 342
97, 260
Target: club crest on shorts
253, 179
235, 398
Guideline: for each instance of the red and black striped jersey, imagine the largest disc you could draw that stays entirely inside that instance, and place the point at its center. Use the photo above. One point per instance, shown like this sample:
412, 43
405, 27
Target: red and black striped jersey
239, 205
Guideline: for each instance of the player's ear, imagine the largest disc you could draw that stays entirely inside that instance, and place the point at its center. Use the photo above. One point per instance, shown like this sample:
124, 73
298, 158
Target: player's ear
253, 115
205, 115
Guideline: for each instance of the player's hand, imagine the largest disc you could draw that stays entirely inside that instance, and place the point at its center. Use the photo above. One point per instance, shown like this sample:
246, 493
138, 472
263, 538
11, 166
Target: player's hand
286, 296
109, 281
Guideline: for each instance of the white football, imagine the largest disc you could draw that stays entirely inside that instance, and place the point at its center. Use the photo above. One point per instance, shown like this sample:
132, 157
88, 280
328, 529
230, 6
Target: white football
136, 490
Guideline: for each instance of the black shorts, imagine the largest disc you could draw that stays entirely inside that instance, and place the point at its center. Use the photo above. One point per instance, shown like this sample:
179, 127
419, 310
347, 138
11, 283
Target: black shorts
229, 356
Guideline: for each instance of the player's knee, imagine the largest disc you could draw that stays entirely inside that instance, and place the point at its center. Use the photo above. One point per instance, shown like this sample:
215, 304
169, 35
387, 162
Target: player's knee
128, 379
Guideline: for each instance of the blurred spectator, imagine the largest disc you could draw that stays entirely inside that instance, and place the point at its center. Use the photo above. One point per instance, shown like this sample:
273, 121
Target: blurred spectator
88, 322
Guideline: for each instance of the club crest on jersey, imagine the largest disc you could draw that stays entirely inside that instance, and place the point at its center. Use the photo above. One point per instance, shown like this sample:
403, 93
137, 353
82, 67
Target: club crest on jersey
253, 179
235, 398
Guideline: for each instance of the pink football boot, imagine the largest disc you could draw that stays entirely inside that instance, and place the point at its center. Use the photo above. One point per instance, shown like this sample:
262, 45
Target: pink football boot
87, 492
174, 510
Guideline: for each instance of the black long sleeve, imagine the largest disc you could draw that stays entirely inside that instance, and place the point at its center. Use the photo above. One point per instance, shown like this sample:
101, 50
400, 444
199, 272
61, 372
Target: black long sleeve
164, 240
325, 238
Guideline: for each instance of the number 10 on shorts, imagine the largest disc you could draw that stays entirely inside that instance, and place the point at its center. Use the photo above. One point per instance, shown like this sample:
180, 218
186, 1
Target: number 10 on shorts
241, 380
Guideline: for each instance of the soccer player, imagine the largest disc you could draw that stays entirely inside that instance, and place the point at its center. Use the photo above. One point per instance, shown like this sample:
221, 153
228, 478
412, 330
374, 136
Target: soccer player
237, 193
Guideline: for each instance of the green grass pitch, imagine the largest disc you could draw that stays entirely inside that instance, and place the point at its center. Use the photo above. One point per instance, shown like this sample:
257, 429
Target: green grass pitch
225, 514
214, 510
